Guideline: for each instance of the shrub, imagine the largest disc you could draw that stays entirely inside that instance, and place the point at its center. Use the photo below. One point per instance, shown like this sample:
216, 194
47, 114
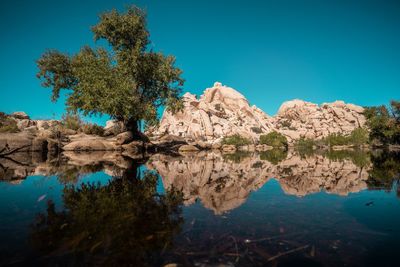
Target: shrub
71, 121
357, 137
236, 140
336, 140
89, 128
74, 122
274, 139
7, 124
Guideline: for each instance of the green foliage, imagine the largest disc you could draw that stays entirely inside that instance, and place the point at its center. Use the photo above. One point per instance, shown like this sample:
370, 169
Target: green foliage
130, 83
71, 121
7, 124
335, 139
357, 137
140, 222
274, 156
236, 140
384, 123
74, 122
90, 128
274, 139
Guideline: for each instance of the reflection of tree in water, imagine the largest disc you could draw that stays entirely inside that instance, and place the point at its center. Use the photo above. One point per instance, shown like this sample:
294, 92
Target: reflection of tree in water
359, 157
123, 222
237, 156
385, 172
74, 173
274, 156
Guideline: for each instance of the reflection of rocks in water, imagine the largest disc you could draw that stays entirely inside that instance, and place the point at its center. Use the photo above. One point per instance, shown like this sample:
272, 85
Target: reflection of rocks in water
301, 177
68, 166
222, 184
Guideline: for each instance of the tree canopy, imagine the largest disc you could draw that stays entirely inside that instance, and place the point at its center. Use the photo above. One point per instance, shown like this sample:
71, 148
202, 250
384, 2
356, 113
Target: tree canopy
129, 82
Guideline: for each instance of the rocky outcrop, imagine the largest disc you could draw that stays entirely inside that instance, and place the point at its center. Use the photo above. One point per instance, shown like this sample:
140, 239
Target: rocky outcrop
51, 135
223, 184
297, 118
222, 111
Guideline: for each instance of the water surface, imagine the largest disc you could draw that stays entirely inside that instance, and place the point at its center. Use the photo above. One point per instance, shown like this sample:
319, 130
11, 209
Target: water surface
337, 208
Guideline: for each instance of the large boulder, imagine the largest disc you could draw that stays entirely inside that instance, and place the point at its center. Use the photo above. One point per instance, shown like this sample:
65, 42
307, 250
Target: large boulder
83, 142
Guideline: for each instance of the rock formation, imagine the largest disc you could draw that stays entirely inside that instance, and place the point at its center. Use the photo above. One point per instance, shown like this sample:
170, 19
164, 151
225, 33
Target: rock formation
297, 118
222, 111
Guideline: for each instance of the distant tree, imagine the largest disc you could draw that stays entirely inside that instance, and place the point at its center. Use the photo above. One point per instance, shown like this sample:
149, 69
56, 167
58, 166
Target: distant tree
128, 83
384, 123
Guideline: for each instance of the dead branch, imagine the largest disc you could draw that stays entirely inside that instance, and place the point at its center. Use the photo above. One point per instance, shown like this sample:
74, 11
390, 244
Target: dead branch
9, 152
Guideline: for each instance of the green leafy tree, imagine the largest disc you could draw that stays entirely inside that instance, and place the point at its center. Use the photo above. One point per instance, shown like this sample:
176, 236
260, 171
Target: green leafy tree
129, 83
384, 123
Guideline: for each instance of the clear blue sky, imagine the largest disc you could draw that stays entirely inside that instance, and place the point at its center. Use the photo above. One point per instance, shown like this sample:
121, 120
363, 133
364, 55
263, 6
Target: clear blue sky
271, 51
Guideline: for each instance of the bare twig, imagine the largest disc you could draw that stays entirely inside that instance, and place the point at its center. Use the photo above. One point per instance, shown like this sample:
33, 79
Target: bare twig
269, 238
287, 252
3, 149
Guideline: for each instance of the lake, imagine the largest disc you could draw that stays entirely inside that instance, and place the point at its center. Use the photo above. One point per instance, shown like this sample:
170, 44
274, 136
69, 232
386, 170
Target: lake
277, 208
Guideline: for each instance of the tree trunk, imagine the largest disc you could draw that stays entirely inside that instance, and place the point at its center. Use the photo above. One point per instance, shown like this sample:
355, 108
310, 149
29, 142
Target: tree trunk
133, 126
